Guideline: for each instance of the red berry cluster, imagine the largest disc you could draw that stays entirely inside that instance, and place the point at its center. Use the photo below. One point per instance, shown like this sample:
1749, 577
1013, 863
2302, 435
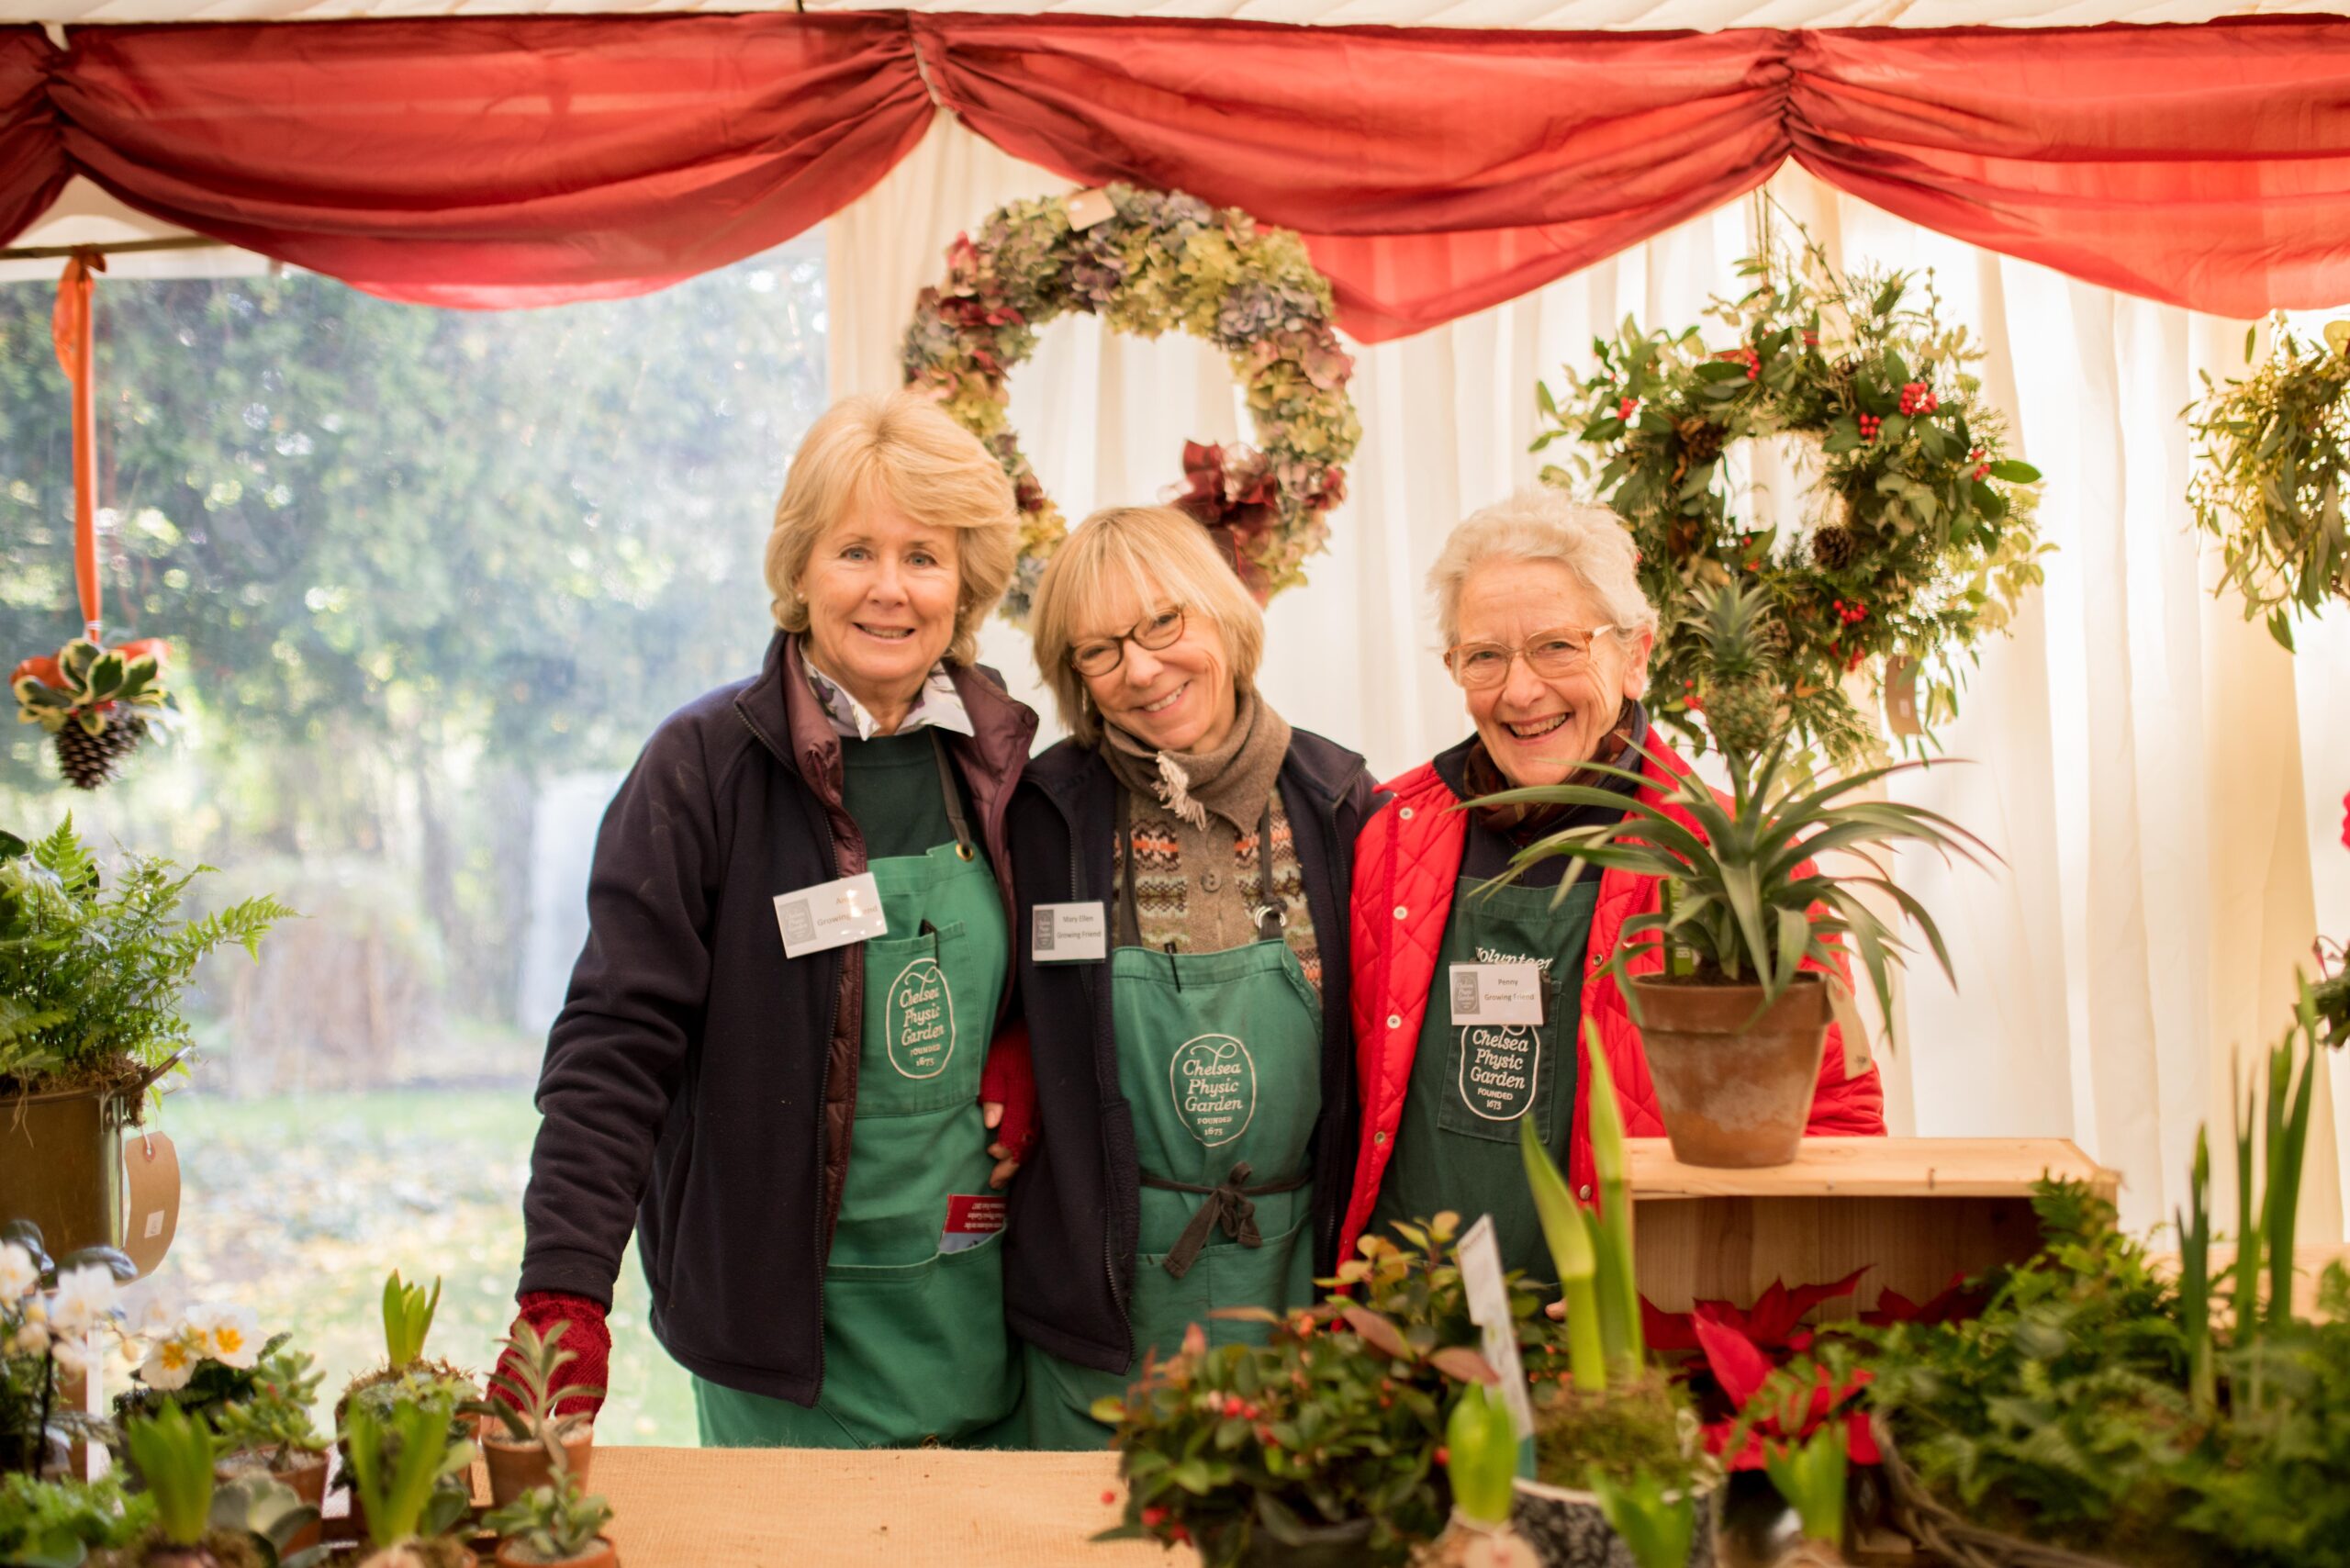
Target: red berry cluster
1849, 614
1981, 467
1916, 397
1811, 340
1235, 1405
1626, 407
1870, 425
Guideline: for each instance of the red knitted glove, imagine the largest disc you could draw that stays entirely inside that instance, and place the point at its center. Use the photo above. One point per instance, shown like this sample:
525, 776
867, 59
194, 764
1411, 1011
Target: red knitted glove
1008, 1079
587, 1339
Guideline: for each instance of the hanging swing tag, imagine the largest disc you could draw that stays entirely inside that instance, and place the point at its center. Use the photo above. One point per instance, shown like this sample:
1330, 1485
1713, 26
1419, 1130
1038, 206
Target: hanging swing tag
830, 914
1087, 208
1479, 1255
1071, 934
1858, 1055
150, 1169
1497, 994
1901, 697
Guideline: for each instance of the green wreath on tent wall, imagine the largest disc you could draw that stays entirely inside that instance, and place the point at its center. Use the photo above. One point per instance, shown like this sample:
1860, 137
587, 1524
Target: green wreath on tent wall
1917, 536
1146, 262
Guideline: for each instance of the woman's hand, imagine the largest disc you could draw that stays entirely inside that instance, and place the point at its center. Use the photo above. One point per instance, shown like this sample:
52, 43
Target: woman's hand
1008, 1102
1006, 1162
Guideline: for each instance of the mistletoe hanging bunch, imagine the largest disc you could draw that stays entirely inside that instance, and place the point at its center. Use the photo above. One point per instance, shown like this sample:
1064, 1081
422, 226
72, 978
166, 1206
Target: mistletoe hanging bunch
97, 701
1915, 538
2270, 472
1147, 262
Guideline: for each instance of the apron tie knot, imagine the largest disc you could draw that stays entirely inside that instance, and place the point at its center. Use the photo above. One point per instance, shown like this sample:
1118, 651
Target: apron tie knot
1230, 1204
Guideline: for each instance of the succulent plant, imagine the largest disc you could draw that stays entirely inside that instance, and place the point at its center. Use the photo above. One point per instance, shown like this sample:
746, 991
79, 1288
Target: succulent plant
554, 1523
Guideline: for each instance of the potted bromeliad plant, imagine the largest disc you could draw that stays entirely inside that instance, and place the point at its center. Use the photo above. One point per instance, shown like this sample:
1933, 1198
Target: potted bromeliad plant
1605, 1418
249, 1523
1729, 976
554, 1523
1324, 1444
530, 1442
92, 968
408, 1469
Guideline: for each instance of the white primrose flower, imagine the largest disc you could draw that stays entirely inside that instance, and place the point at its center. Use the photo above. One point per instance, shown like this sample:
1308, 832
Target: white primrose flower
172, 1361
75, 1354
31, 1340
158, 1318
18, 1276
84, 1299
229, 1333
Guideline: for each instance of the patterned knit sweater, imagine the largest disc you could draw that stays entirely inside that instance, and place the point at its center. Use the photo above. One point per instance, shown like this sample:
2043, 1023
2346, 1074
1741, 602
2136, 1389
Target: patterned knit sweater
1196, 889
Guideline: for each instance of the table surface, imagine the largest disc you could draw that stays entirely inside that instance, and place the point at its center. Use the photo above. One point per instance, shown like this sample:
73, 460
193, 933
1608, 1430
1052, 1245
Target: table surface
770, 1507
1872, 1167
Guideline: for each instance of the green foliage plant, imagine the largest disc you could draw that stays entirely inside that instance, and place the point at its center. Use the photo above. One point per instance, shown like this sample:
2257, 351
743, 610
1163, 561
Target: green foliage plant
554, 1523
93, 968
57, 1524
174, 1454
1658, 1523
526, 1375
1327, 1432
407, 1318
1811, 1476
1742, 901
407, 1470
273, 1418
2272, 464
1481, 1455
1914, 539
406, 1375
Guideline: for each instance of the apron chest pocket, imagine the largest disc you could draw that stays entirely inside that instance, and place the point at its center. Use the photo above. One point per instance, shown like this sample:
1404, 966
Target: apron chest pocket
930, 1038
1498, 1074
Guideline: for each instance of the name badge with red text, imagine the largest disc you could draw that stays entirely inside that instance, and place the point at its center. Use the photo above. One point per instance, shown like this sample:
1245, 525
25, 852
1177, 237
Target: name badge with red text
971, 1218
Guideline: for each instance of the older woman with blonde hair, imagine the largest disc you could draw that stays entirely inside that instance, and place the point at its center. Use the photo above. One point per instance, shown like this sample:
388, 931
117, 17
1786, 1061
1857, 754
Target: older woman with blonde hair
770, 1063
1548, 635
1182, 862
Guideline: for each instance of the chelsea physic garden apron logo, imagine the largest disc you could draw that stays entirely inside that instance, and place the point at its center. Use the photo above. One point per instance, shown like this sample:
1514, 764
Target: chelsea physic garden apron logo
1500, 1068
919, 1025
1214, 1080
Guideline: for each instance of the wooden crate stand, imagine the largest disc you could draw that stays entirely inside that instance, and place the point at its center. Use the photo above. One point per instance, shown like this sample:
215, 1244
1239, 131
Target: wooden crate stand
1916, 1211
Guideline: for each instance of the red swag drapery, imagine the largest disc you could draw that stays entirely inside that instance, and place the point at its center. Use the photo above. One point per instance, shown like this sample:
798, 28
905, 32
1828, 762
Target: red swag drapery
517, 160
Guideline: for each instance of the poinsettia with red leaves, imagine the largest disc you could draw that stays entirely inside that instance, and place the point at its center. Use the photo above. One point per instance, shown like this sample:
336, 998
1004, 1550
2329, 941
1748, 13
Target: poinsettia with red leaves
1952, 1304
1773, 1322
1776, 1407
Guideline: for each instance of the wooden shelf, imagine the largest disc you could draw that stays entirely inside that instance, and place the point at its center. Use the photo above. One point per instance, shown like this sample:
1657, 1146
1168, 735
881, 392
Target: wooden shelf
1917, 1212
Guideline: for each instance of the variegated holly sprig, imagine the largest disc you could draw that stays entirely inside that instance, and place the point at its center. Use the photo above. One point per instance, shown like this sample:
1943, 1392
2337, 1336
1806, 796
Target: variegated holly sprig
92, 688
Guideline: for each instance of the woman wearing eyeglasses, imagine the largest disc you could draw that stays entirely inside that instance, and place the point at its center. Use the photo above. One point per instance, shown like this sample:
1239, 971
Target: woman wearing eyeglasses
1181, 864
1548, 635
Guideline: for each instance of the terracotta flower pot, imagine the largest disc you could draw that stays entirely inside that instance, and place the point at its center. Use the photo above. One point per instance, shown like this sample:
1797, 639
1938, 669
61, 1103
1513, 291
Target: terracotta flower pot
1735, 1089
604, 1554
515, 1468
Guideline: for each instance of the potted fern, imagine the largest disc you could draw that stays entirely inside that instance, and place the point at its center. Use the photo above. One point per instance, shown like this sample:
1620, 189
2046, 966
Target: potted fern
92, 968
1729, 977
530, 1442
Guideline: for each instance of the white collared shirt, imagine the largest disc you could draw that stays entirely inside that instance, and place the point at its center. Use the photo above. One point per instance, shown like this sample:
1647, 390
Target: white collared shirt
936, 706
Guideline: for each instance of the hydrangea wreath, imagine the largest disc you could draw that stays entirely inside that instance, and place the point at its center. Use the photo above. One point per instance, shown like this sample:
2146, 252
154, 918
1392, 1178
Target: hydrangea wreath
1916, 536
1146, 262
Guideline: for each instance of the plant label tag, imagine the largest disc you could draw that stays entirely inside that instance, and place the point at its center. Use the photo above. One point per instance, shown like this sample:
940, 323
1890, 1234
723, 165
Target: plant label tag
1496, 994
971, 1218
151, 1196
1858, 1055
830, 914
1479, 1253
1901, 697
1071, 934
1087, 208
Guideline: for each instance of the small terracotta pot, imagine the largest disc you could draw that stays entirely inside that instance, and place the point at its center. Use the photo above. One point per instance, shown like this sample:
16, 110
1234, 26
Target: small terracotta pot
604, 1554
1735, 1089
309, 1484
515, 1468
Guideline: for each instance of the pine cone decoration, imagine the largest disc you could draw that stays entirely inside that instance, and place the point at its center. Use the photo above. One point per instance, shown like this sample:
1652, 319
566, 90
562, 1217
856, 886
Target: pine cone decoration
1701, 441
90, 760
1834, 548
1841, 377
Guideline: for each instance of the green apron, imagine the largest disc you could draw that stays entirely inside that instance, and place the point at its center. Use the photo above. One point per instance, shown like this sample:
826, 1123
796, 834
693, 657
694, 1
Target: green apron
1220, 1060
1457, 1145
915, 1348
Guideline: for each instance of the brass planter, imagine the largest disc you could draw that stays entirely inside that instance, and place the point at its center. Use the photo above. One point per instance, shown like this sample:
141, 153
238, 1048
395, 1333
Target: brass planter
61, 1164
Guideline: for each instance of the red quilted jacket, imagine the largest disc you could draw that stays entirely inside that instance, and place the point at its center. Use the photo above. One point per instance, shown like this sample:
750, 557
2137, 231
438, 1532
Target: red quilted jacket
1406, 861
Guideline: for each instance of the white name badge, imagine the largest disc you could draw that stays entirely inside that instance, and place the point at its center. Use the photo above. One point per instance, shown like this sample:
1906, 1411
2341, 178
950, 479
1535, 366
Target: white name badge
1071, 934
1496, 994
830, 914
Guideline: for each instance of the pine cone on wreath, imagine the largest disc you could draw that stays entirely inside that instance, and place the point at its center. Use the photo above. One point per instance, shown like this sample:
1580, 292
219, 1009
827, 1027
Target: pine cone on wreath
1840, 377
1701, 441
89, 760
1834, 548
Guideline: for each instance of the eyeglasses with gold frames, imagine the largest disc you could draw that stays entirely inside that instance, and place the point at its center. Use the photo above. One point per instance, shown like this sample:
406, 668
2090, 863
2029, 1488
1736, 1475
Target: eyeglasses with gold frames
1153, 631
1561, 651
